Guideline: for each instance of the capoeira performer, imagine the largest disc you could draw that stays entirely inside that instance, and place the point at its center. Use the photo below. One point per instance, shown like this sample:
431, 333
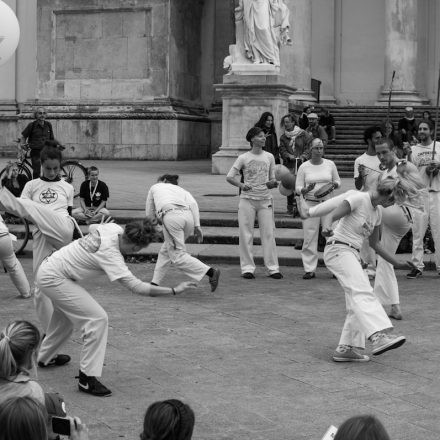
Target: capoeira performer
360, 217
396, 222
258, 167
46, 202
426, 158
101, 251
178, 212
312, 176
11, 263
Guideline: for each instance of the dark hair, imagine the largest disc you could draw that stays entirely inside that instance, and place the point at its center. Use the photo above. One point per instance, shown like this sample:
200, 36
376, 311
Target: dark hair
262, 120
428, 122
368, 133
168, 420
18, 341
306, 108
23, 418
170, 178
254, 131
362, 428
52, 143
50, 152
140, 232
92, 168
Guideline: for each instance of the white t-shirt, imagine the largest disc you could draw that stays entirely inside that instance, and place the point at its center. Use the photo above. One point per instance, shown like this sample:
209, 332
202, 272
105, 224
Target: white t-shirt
359, 224
371, 177
321, 174
58, 195
257, 170
421, 155
91, 255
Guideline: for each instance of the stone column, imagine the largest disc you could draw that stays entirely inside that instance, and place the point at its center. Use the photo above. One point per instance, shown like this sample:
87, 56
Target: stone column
401, 52
297, 59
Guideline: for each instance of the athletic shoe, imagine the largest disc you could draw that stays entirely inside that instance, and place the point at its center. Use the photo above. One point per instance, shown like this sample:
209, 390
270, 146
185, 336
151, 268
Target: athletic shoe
248, 276
415, 273
214, 279
57, 361
276, 276
309, 275
383, 342
91, 385
346, 353
395, 312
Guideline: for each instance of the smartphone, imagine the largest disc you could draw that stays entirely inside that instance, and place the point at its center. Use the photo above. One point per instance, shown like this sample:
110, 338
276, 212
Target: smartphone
60, 425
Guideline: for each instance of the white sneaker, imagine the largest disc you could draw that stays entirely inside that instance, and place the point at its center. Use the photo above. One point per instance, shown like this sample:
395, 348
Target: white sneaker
346, 353
383, 342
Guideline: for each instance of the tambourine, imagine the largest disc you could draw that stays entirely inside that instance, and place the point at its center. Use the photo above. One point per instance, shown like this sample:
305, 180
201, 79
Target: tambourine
325, 190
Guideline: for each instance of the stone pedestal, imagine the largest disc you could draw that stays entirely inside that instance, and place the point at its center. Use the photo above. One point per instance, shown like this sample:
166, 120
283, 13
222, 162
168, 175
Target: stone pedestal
245, 98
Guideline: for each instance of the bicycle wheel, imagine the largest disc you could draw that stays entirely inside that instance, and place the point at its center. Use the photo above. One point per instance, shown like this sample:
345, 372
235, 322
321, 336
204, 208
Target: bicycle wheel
74, 173
19, 228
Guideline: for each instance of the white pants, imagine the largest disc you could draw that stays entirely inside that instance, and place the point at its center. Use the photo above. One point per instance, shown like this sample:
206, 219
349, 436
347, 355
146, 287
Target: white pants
13, 266
178, 225
365, 314
78, 214
248, 209
309, 251
73, 307
53, 230
368, 255
431, 215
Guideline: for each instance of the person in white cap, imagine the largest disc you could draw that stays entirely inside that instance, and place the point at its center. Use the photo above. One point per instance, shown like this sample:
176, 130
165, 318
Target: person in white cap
316, 130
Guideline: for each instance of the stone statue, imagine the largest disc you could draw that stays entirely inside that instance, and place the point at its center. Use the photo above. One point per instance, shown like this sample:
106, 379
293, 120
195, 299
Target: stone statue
261, 27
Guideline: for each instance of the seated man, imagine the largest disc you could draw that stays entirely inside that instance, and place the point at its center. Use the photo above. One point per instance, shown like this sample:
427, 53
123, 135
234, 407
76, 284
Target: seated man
93, 197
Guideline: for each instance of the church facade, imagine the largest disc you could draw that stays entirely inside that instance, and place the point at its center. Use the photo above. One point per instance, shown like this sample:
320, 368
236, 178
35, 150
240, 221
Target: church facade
136, 79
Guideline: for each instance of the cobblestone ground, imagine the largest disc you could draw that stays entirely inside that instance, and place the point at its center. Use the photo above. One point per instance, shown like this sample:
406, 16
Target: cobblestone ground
253, 359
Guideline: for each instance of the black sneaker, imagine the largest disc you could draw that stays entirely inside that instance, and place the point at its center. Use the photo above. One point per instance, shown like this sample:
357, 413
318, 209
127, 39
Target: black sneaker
276, 276
91, 385
248, 276
309, 275
57, 361
415, 273
214, 279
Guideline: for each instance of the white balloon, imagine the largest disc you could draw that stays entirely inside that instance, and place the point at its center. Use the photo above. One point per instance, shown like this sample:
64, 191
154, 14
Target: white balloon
9, 32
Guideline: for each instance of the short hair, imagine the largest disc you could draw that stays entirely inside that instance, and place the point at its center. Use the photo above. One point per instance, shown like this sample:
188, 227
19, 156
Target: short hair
388, 141
50, 153
428, 122
290, 116
362, 428
52, 143
254, 131
170, 178
368, 133
18, 341
92, 168
140, 232
23, 418
36, 111
168, 420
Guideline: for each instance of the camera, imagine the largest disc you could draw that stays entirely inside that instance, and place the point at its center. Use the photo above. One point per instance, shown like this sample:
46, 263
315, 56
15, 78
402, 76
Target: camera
60, 425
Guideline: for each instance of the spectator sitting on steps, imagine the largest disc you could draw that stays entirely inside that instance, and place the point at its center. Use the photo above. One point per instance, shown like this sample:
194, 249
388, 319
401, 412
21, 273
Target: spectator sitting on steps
327, 121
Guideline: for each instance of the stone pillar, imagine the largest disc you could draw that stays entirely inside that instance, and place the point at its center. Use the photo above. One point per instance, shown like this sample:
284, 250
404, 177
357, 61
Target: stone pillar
297, 59
245, 98
401, 53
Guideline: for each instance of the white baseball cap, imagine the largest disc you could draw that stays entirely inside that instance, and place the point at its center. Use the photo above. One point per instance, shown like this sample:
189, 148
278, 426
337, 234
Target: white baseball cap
312, 116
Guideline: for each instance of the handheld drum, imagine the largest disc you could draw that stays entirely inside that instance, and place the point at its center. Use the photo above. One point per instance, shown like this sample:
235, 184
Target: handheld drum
325, 190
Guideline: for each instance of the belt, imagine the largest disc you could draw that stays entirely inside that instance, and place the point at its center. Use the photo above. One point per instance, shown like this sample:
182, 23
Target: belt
345, 244
162, 213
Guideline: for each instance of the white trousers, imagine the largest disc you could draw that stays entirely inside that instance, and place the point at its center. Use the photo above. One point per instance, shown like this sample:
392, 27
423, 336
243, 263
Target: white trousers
73, 308
53, 230
309, 251
248, 210
431, 215
365, 314
368, 255
13, 266
177, 227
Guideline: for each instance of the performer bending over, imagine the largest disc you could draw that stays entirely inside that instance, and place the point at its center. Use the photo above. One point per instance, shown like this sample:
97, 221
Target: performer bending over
178, 212
101, 251
359, 217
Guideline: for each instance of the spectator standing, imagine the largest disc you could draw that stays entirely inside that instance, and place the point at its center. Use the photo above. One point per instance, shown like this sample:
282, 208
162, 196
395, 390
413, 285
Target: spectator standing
316, 130
389, 131
36, 134
421, 157
303, 120
407, 126
93, 195
366, 174
258, 168
266, 123
14, 181
312, 175
426, 116
327, 121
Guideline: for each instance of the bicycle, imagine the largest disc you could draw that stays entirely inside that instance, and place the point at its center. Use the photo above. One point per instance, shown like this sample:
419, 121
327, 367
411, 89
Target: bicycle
72, 171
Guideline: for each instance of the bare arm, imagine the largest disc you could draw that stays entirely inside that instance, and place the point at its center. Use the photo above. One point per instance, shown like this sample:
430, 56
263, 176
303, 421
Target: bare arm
139, 287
